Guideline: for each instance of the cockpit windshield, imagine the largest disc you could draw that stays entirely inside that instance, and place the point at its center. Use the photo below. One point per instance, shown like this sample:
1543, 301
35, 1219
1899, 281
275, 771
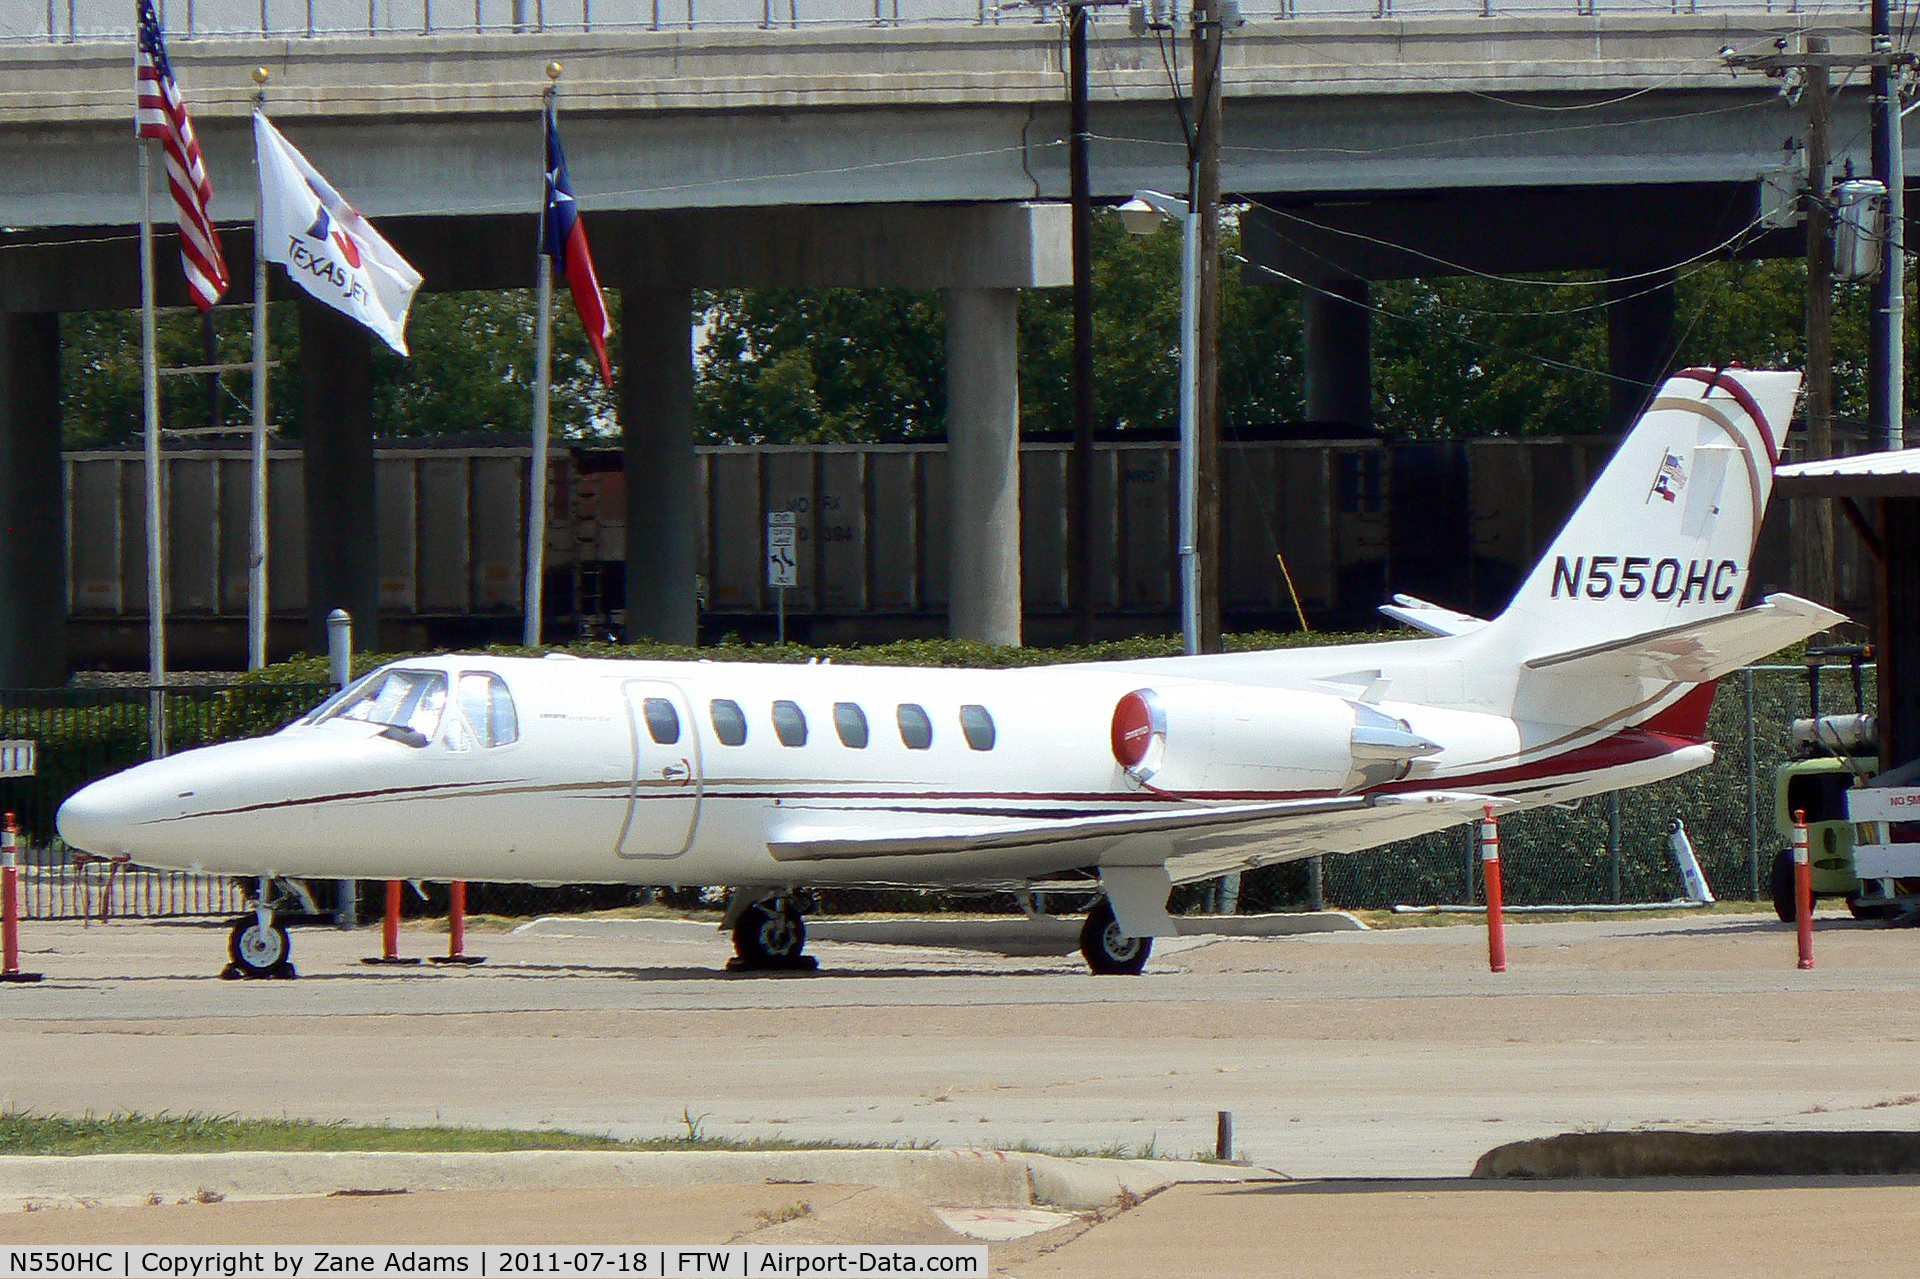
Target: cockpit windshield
393, 698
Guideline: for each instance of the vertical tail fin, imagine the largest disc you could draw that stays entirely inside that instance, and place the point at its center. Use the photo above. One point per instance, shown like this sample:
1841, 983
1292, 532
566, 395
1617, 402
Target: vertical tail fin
1665, 536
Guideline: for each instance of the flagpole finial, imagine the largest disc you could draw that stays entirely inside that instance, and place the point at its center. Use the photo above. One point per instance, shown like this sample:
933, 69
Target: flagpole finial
553, 70
260, 75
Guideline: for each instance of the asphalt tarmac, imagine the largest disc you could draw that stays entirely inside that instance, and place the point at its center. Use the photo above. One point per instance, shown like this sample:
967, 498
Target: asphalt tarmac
1386, 1054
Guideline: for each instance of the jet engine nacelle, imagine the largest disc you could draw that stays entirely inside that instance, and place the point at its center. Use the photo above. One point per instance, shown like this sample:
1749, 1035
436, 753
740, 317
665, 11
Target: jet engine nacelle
1227, 741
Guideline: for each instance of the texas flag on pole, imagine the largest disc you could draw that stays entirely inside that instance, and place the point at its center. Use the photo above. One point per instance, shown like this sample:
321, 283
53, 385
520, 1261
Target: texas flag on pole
563, 237
327, 247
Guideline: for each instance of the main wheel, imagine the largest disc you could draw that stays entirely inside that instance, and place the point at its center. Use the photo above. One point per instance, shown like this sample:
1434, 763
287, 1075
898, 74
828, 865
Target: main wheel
1870, 907
1106, 949
770, 935
1781, 882
260, 952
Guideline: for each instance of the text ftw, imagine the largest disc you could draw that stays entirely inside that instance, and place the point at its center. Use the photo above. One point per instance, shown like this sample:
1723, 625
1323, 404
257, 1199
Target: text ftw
1632, 576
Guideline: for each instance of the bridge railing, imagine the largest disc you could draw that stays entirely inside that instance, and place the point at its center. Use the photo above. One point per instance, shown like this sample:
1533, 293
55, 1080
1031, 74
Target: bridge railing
60, 21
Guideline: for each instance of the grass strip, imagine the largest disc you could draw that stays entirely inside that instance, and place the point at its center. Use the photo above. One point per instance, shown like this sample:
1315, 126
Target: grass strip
27, 1133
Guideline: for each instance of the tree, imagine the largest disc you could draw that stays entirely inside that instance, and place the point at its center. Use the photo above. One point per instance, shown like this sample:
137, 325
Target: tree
471, 372
821, 366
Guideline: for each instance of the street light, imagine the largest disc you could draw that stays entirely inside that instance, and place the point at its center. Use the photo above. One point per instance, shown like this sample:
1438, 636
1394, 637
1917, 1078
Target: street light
1144, 215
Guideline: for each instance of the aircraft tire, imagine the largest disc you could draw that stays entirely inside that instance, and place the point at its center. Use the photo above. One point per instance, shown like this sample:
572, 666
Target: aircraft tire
256, 953
771, 935
1781, 882
1106, 951
1868, 908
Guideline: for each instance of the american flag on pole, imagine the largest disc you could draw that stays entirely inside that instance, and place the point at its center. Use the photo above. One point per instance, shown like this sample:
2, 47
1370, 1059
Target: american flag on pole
161, 114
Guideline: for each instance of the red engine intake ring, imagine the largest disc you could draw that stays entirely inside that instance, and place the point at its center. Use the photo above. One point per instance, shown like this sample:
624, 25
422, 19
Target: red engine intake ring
1139, 733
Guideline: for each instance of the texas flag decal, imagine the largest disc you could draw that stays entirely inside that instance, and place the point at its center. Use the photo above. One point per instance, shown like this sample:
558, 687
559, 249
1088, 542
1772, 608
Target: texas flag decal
563, 237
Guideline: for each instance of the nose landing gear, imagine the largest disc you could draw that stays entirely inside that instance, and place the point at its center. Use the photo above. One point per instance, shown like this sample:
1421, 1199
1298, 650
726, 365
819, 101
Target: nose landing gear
259, 947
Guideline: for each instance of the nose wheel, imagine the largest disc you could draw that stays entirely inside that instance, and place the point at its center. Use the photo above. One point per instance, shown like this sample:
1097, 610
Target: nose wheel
258, 945
258, 952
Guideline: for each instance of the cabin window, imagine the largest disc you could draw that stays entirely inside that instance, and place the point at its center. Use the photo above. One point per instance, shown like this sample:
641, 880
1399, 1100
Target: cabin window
789, 724
851, 723
916, 730
410, 700
488, 707
663, 722
729, 725
977, 726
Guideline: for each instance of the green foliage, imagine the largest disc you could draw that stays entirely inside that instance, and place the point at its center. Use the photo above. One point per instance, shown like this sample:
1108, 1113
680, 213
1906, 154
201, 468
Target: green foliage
1452, 356
131, 1132
471, 371
1470, 356
305, 673
1136, 341
821, 366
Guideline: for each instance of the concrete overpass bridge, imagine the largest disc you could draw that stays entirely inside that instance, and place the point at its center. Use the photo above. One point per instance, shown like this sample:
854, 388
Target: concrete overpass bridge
922, 154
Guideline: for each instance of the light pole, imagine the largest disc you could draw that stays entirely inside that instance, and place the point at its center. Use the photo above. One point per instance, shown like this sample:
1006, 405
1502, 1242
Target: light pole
1143, 215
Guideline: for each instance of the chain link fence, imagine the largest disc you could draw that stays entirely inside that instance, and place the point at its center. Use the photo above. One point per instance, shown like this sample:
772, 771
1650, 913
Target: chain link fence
1610, 848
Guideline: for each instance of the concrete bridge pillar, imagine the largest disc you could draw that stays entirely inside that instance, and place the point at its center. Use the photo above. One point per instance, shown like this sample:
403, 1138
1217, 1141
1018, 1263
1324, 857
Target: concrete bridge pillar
1338, 333
983, 464
1639, 343
656, 423
336, 429
33, 596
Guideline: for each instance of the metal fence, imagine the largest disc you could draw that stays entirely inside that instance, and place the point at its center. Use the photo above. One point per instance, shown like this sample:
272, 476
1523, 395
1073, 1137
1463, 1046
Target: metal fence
86, 733
1610, 848
78, 20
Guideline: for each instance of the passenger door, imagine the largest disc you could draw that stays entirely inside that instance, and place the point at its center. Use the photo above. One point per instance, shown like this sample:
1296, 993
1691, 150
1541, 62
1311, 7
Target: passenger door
663, 808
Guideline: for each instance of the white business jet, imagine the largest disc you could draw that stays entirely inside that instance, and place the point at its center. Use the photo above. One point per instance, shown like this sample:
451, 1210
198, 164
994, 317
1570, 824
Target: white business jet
1125, 777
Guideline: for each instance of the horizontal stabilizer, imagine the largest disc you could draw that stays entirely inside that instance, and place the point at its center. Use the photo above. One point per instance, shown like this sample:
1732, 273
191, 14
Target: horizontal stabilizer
1431, 618
1698, 651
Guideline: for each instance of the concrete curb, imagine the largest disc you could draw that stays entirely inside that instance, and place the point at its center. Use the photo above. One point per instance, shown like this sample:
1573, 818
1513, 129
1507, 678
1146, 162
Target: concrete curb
975, 1178
1706, 1154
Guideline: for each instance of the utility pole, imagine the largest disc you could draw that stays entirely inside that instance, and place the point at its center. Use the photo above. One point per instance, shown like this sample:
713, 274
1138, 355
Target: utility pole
1204, 201
1815, 64
1816, 538
1886, 348
1080, 470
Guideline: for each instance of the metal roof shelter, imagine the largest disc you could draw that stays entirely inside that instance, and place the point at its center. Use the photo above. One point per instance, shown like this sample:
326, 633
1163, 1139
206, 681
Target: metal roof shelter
1880, 495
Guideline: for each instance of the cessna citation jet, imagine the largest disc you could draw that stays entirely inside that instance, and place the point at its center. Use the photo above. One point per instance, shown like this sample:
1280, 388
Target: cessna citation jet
1125, 777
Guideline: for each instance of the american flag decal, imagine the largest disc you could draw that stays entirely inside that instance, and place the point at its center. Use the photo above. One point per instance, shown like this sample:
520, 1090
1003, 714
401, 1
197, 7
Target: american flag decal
162, 115
1671, 479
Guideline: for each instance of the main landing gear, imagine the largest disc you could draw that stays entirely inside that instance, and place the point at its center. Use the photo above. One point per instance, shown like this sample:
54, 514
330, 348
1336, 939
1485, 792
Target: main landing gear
769, 933
1106, 950
258, 946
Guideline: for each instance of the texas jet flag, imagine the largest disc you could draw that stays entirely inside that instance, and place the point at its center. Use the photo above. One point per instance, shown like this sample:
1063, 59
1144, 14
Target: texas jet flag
563, 237
329, 249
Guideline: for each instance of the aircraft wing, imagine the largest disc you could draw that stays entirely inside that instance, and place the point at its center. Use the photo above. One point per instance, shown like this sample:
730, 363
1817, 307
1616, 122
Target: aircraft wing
1193, 842
1698, 651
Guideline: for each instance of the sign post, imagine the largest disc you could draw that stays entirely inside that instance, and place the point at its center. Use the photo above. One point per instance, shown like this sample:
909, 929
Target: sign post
17, 759
783, 568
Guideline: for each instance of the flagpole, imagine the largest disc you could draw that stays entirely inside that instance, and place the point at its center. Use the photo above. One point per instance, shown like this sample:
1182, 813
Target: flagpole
542, 382
156, 522
257, 457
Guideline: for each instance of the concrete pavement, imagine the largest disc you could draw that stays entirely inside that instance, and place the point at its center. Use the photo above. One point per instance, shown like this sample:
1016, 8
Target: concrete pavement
1380, 1054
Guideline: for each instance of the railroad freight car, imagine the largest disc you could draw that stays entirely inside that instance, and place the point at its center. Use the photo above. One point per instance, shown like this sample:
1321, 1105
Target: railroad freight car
1352, 521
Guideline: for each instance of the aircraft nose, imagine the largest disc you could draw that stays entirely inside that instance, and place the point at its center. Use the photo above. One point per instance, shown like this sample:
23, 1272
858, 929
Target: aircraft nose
98, 818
